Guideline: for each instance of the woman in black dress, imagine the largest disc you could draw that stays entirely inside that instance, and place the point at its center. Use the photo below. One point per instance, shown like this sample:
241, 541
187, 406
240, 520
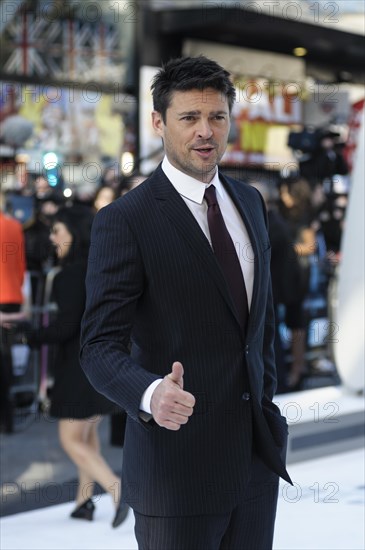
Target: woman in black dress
77, 405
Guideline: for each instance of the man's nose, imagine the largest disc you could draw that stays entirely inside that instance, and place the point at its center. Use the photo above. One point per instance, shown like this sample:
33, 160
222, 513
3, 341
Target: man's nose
204, 129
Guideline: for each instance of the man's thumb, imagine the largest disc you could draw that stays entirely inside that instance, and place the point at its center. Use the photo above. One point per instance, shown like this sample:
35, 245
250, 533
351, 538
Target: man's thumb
177, 373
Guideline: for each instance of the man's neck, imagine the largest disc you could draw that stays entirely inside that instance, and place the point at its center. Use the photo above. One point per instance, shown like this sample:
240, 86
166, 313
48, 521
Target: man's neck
204, 177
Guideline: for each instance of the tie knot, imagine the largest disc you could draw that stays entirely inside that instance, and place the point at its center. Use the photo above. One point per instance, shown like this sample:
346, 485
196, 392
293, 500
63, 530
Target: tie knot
210, 195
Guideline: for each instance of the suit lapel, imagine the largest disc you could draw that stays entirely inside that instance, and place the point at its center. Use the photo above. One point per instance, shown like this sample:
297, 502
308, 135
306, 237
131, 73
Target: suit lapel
174, 207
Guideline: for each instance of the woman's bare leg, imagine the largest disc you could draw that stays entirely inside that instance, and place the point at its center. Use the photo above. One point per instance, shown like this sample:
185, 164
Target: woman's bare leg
79, 439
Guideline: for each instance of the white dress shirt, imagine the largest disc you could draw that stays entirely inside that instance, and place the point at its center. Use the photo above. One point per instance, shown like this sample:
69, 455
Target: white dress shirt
192, 192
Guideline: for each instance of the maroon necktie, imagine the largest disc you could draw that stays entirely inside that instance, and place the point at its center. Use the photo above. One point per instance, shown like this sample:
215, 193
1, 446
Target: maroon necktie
226, 255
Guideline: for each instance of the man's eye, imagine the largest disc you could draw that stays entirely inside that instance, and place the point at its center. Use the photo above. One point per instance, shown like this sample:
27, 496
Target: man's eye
188, 118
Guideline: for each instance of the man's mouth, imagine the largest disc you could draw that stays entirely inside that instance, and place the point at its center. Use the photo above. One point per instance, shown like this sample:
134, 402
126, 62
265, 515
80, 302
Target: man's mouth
204, 151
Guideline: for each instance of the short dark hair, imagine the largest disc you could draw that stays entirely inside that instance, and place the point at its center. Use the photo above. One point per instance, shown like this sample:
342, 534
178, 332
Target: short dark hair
189, 73
78, 220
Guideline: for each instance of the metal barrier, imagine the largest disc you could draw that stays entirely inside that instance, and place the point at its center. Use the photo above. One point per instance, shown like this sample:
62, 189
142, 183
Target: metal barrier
23, 392
31, 378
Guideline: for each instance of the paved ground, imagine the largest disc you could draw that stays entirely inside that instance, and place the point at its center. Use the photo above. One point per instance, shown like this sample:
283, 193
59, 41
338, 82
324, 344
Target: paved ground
323, 511
34, 470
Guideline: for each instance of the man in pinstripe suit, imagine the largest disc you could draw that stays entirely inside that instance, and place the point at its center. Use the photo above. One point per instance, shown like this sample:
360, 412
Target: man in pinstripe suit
204, 444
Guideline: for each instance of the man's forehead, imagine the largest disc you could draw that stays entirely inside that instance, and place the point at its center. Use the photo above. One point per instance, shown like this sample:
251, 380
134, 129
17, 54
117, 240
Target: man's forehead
199, 98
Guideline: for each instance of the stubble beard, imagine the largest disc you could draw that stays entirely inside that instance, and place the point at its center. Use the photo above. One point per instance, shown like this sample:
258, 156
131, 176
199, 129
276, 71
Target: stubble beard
203, 173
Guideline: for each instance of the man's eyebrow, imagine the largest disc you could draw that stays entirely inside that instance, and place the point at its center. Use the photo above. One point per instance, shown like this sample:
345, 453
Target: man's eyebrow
194, 113
184, 113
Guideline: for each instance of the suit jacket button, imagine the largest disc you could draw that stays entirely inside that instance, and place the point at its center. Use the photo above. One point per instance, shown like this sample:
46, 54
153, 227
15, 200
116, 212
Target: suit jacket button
246, 396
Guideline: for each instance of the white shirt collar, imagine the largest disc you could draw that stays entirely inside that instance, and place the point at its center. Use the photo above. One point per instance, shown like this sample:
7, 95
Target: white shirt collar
189, 187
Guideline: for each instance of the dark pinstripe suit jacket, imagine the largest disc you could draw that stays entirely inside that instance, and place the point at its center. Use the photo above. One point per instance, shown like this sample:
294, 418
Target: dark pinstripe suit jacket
153, 279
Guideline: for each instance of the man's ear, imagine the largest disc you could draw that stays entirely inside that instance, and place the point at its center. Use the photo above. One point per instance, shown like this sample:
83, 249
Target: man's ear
158, 123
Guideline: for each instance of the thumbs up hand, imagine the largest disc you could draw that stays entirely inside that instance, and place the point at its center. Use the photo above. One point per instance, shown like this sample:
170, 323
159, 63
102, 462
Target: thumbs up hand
171, 406
177, 374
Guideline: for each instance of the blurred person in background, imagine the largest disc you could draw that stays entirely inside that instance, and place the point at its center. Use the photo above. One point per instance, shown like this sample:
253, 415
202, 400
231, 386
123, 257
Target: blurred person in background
285, 271
104, 196
329, 222
42, 188
296, 208
39, 252
74, 401
111, 176
12, 272
83, 195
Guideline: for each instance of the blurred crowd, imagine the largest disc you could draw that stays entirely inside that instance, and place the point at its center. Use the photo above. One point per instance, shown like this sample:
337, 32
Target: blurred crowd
49, 250
31, 257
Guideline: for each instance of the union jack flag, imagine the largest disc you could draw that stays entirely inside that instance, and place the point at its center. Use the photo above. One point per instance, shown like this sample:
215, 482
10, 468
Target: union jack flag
62, 49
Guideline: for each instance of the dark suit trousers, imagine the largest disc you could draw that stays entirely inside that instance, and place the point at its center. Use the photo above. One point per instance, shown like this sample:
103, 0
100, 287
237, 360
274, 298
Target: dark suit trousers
249, 526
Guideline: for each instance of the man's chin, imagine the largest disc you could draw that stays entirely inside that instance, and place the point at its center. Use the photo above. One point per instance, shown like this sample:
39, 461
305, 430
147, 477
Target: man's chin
207, 169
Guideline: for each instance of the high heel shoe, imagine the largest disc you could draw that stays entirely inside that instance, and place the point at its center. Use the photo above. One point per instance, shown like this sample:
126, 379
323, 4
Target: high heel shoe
120, 514
84, 511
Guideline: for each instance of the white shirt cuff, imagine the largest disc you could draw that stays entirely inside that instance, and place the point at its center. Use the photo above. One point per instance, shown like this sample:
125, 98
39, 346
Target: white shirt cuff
146, 397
